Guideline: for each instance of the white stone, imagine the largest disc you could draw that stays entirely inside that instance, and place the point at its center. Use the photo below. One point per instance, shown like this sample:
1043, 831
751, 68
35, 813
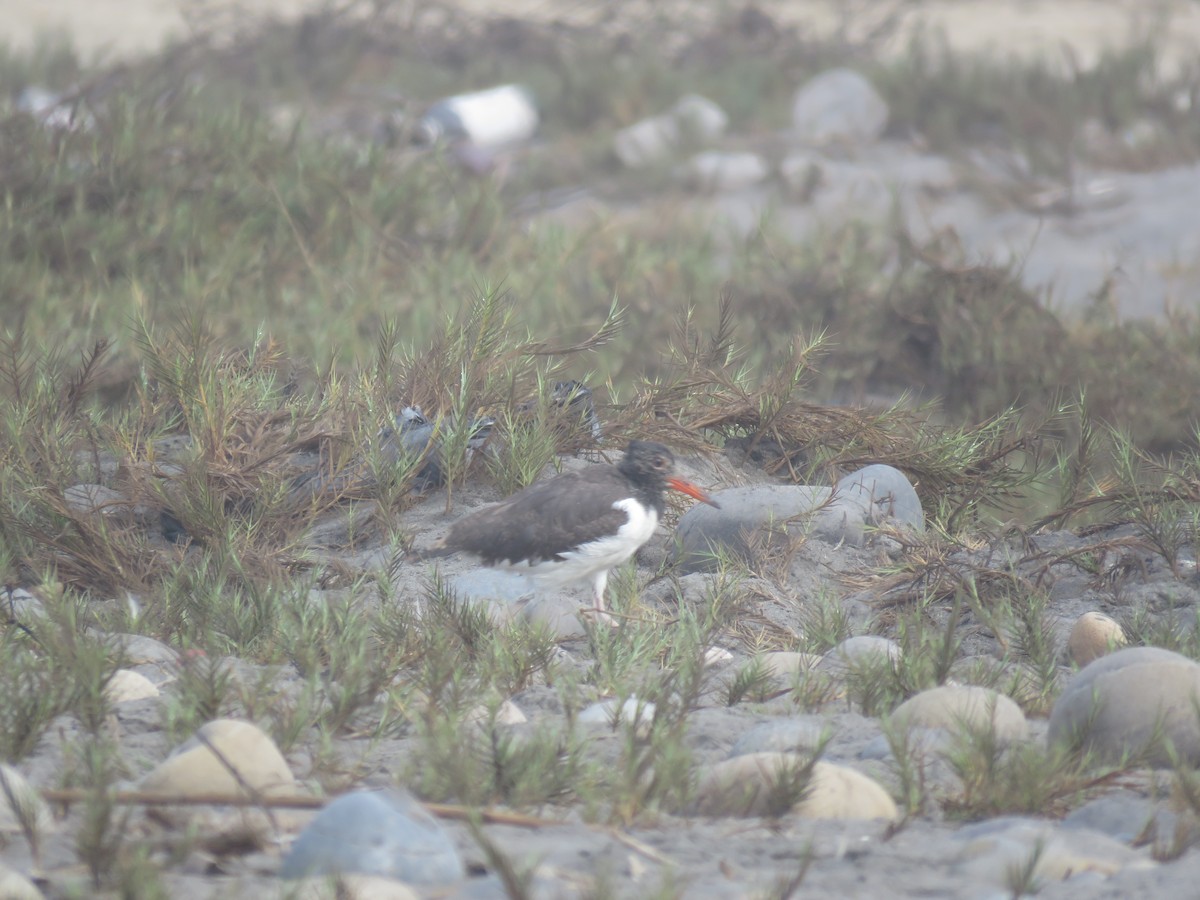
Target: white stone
957, 707
127, 686
839, 105
194, 769
716, 171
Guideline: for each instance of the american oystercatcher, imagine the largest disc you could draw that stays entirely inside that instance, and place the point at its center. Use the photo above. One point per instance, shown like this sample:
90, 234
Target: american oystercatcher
576, 526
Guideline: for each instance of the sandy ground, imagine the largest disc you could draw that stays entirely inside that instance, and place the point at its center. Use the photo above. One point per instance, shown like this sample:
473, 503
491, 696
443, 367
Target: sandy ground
1062, 29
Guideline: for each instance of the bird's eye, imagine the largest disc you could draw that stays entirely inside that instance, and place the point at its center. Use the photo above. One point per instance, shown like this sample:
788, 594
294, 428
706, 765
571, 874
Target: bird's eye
660, 462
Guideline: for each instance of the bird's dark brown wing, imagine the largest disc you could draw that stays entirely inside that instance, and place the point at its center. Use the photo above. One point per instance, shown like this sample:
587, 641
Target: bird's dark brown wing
544, 520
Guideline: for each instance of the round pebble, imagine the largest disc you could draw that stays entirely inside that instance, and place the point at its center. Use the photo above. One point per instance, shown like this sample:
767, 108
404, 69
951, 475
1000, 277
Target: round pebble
26, 797
1131, 702
882, 493
994, 849
705, 533
717, 171
127, 686
860, 652
839, 105
1094, 635
955, 707
610, 714
15, 886
381, 833
748, 786
194, 770
786, 664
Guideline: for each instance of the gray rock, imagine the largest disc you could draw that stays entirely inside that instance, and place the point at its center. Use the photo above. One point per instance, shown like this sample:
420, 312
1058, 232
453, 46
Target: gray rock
883, 493
482, 584
1133, 701
785, 665
1124, 816
715, 171
21, 605
384, 833
764, 512
559, 615
610, 714
773, 513
694, 119
859, 652
140, 650
839, 105
699, 119
994, 850
796, 734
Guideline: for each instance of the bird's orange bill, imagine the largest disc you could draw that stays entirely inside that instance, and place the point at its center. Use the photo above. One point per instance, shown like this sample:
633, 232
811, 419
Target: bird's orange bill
691, 490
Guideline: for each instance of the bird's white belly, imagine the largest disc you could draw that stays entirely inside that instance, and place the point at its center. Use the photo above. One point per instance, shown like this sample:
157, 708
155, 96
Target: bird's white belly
601, 554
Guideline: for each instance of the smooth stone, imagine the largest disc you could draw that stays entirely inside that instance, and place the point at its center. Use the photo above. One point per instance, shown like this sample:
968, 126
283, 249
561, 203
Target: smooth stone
839, 105
743, 786
870, 496
140, 650
705, 534
991, 854
610, 714
15, 886
786, 664
507, 713
698, 118
22, 605
127, 686
194, 770
694, 119
646, 142
27, 797
716, 171
1120, 704
560, 616
381, 833
964, 706
1124, 816
883, 493
803, 173
839, 792
481, 585
1094, 635
794, 734
862, 651
349, 887
717, 656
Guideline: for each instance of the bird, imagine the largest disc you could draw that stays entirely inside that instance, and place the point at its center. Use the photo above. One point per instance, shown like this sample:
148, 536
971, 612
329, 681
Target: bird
578, 526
